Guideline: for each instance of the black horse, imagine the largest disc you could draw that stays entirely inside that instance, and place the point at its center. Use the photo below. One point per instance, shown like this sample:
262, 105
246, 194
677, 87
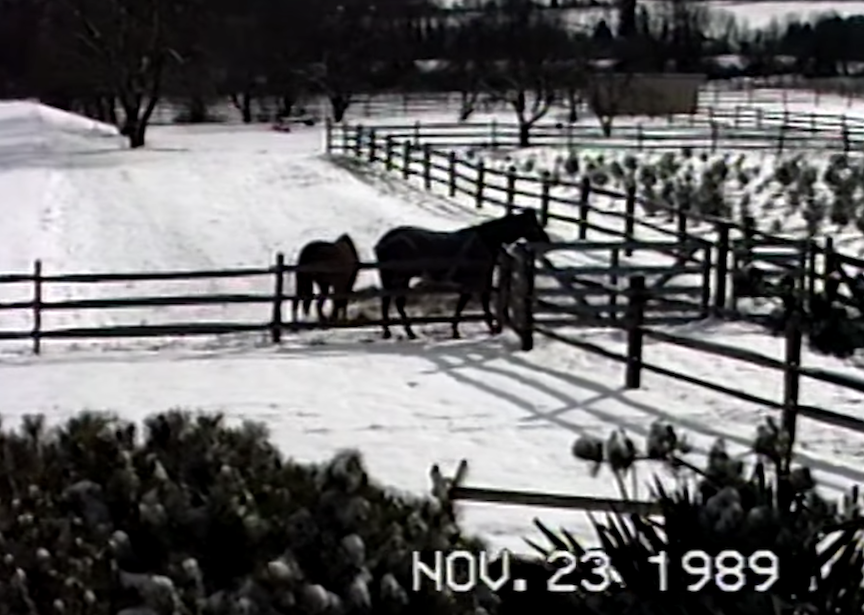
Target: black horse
465, 258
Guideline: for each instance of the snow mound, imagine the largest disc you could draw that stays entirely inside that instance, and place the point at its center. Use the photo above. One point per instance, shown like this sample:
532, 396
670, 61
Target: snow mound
33, 134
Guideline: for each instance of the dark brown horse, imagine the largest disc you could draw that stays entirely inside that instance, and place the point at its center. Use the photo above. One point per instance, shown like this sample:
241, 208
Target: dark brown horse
339, 265
466, 260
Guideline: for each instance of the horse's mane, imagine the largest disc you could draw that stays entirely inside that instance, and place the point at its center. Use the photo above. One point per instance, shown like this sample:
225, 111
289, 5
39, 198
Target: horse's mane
503, 219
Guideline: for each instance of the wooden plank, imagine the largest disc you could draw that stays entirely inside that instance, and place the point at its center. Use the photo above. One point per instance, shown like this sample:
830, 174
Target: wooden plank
623, 270
755, 399
157, 275
832, 418
588, 346
594, 309
605, 245
550, 500
172, 330
168, 300
847, 382
730, 352
678, 289
576, 292
197, 328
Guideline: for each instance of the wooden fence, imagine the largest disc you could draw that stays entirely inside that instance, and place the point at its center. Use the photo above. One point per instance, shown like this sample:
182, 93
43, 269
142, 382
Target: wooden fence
272, 320
741, 128
407, 152
527, 308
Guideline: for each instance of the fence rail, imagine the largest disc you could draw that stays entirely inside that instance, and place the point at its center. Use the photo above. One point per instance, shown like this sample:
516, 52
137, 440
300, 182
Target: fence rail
37, 305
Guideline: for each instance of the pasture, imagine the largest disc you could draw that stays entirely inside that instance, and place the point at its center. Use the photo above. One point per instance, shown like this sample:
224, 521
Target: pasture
215, 205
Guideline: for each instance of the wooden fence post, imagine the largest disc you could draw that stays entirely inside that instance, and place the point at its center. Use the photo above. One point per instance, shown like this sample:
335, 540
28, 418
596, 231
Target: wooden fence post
417, 133
545, 184
629, 219
812, 274
683, 212
388, 152
707, 268
714, 136
584, 206
510, 198
481, 180
721, 269
614, 264
343, 145
639, 137
328, 135
635, 316
406, 159
37, 307
781, 138
372, 145
830, 261
451, 173
528, 271
791, 373
278, 299
427, 166
358, 140
493, 134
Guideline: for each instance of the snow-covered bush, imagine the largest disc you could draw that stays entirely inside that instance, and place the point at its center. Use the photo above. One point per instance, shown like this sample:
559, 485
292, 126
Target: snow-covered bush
194, 517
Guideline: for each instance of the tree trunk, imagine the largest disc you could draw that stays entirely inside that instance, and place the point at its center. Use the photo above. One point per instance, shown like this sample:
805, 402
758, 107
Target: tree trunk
196, 109
137, 135
243, 103
524, 133
606, 125
246, 107
339, 105
572, 106
467, 104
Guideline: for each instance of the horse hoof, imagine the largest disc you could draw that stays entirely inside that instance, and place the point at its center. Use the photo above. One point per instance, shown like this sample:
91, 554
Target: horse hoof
411, 335
456, 336
387, 335
495, 330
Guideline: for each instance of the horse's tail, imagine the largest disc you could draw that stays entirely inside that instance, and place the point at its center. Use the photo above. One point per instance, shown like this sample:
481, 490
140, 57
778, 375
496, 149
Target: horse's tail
303, 281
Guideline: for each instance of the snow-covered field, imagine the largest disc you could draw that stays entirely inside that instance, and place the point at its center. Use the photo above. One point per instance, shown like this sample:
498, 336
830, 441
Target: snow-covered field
214, 197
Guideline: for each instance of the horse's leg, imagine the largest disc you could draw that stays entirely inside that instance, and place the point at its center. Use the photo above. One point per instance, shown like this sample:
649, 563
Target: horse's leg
401, 302
324, 290
460, 305
387, 287
485, 300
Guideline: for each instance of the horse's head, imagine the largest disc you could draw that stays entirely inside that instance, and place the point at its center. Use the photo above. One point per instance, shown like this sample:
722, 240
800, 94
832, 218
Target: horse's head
344, 240
529, 227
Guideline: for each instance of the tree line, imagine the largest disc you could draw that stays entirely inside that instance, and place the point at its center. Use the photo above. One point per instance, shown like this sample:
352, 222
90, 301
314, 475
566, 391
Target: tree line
115, 59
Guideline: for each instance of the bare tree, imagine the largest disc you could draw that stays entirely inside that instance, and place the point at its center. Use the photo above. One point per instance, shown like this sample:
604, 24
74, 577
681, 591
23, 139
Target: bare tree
469, 64
531, 44
607, 93
126, 43
345, 54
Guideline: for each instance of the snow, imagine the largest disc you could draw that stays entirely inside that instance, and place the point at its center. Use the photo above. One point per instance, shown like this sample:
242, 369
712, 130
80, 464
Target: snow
218, 197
